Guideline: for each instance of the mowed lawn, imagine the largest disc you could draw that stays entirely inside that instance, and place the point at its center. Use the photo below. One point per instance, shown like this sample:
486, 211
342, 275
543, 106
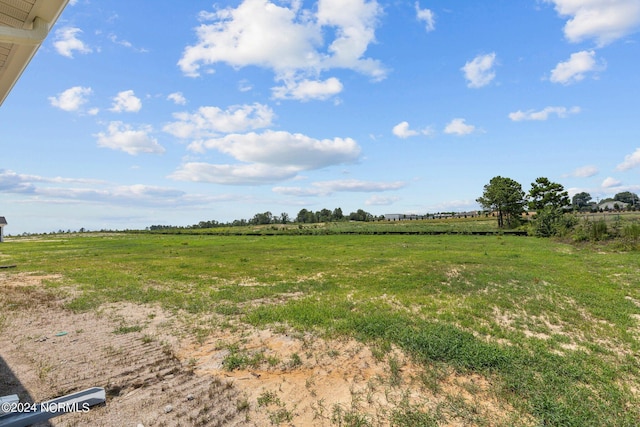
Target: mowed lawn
554, 326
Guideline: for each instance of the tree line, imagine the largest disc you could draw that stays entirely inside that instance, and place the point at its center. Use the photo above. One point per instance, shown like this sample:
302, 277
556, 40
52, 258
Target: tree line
304, 216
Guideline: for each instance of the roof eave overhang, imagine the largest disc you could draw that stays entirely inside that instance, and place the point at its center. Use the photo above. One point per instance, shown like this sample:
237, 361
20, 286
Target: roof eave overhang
26, 41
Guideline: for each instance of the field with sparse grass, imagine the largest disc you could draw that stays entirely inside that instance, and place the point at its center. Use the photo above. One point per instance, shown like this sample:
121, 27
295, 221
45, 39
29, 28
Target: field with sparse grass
552, 328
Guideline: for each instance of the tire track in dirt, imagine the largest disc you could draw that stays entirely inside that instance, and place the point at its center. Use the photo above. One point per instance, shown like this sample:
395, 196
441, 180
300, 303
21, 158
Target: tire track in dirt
52, 351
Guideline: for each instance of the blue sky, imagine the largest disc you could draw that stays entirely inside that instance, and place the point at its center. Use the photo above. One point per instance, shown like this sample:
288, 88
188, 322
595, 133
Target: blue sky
165, 112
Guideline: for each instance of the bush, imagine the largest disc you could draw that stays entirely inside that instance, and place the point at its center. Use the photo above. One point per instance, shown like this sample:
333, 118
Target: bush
552, 222
632, 233
592, 231
599, 230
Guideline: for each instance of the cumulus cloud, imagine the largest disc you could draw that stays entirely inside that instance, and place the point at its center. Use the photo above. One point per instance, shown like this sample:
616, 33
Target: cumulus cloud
71, 99
402, 130
126, 101
177, 98
306, 90
574, 69
459, 127
67, 42
267, 157
212, 121
543, 114
585, 172
288, 40
354, 23
630, 161
120, 136
602, 20
326, 188
279, 148
610, 182
257, 32
479, 71
427, 16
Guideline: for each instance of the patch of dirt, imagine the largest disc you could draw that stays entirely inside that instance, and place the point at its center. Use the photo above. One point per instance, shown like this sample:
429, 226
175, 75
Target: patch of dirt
323, 382
157, 373
47, 351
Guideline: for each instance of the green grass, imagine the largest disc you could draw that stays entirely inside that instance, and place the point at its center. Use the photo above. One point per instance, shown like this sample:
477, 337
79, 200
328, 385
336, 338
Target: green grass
554, 326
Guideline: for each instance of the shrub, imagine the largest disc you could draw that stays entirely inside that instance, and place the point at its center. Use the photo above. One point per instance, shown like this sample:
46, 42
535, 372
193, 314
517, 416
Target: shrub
632, 233
552, 222
599, 230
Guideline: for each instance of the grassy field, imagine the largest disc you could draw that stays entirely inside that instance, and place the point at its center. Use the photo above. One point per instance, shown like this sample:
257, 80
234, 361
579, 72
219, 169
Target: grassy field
555, 327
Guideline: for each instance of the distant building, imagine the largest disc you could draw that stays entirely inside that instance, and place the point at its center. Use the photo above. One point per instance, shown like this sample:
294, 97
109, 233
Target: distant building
3, 222
443, 215
402, 217
612, 206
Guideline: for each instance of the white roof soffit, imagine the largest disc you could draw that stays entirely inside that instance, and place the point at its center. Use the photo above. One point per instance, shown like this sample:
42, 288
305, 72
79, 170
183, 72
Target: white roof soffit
24, 24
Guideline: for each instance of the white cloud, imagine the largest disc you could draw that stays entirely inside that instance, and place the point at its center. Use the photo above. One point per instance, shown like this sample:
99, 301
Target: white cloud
427, 16
543, 114
610, 182
479, 71
630, 161
126, 101
574, 69
602, 20
326, 188
459, 127
66, 42
257, 32
71, 99
267, 158
285, 149
123, 137
354, 23
243, 174
287, 40
585, 172
177, 97
305, 90
402, 130
212, 121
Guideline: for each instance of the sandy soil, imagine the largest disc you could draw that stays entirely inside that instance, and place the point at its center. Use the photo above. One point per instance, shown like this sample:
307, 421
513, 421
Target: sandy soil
158, 373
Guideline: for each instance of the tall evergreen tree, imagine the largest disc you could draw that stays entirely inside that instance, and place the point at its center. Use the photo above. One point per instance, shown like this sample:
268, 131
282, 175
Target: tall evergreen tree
506, 198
